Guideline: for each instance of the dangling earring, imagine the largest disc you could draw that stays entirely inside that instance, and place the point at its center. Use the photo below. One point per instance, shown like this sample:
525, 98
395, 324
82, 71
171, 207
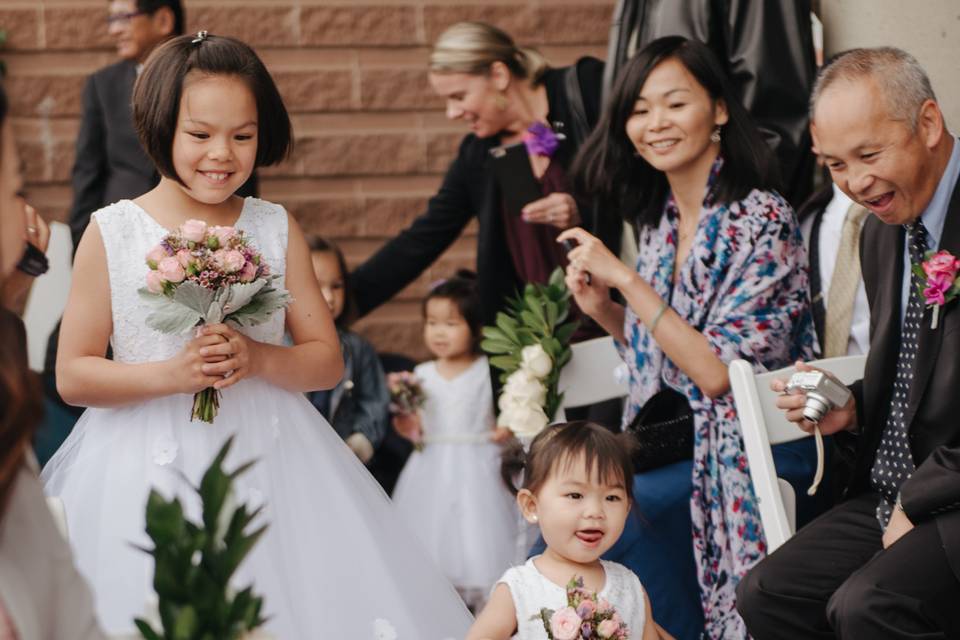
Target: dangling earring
715, 136
501, 102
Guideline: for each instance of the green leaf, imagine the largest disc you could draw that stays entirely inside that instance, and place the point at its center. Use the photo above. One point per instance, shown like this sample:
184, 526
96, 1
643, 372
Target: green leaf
505, 363
167, 315
194, 297
146, 630
563, 333
557, 279
495, 333
497, 346
508, 325
185, 623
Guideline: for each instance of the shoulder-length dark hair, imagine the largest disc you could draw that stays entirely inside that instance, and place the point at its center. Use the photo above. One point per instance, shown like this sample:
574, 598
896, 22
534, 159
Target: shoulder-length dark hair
157, 92
608, 169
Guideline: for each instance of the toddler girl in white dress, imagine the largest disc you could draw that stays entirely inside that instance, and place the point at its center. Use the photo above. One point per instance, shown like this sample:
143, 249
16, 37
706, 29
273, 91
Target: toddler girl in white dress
577, 481
450, 491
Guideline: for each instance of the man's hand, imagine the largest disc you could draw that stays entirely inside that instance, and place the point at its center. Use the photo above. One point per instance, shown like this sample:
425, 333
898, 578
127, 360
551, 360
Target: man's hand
899, 525
842, 419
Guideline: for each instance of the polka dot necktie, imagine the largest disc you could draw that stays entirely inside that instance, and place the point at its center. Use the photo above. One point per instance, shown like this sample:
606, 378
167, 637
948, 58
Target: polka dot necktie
894, 462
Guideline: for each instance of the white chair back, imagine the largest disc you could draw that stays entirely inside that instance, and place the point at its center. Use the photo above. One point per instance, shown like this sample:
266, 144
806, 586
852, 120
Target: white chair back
48, 296
592, 374
763, 425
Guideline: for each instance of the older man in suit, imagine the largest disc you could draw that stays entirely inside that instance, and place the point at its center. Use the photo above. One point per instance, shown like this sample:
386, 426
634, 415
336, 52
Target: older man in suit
885, 563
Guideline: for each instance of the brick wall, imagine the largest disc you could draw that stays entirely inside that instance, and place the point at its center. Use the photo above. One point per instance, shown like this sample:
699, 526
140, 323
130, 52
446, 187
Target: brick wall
372, 141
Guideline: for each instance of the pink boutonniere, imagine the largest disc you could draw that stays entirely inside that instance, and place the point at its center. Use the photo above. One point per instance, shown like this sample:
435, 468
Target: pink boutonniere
939, 283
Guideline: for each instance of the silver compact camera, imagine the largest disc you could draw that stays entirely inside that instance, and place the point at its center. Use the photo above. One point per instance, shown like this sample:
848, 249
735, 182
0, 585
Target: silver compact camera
824, 392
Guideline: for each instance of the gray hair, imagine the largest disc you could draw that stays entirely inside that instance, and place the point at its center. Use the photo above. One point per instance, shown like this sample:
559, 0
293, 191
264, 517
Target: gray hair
902, 81
471, 47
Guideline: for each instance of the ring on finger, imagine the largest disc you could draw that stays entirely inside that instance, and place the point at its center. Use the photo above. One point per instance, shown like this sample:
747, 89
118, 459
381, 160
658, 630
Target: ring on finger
228, 373
31, 229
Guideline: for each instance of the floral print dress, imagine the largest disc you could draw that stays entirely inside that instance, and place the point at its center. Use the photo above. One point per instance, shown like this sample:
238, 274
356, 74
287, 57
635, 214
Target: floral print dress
744, 287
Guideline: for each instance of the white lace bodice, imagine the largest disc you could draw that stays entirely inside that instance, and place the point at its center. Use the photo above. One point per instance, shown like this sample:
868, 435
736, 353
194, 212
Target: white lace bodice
128, 233
531, 591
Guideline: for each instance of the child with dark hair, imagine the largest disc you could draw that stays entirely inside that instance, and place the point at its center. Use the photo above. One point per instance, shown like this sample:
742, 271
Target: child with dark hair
450, 490
357, 408
208, 113
577, 487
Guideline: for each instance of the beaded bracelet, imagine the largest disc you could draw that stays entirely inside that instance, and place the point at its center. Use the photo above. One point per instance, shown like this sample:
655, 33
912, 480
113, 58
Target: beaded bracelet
656, 318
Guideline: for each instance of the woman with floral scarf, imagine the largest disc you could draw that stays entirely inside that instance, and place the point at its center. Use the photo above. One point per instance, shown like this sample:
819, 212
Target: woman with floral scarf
721, 274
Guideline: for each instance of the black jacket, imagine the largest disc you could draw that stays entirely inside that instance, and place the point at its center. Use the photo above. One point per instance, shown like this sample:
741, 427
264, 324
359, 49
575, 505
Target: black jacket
766, 47
933, 411
470, 190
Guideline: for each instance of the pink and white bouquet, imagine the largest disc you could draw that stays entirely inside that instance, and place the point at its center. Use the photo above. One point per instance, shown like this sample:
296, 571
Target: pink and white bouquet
406, 399
939, 283
206, 275
586, 617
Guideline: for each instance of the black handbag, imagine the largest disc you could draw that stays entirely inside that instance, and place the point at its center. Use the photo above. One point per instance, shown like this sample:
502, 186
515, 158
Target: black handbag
663, 429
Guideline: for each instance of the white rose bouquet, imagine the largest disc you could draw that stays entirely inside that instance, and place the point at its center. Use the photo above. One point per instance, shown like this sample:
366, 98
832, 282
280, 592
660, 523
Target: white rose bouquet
530, 344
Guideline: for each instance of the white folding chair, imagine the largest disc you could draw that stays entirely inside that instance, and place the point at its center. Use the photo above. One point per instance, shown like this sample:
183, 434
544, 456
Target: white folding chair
763, 425
48, 295
591, 375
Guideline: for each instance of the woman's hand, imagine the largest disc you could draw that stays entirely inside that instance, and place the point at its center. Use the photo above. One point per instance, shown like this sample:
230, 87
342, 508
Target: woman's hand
231, 359
17, 285
592, 256
557, 209
188, 365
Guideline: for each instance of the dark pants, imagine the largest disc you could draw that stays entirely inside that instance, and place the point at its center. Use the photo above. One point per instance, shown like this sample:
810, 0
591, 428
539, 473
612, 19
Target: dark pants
834, 580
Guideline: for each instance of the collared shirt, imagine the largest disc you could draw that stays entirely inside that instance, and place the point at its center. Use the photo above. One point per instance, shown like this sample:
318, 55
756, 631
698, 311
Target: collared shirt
933, 218
828, 243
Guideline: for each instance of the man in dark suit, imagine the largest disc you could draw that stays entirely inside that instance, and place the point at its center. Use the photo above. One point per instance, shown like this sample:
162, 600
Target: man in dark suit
884, 563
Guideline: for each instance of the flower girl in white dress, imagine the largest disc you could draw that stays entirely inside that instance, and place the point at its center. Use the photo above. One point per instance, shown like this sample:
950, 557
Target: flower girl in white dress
451, 490
336, 560
577, 486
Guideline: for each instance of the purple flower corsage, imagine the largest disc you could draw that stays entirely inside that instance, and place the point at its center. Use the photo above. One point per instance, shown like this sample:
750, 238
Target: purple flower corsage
540, 140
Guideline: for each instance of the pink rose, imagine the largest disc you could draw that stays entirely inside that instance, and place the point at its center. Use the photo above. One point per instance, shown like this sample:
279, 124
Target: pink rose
586, 609
154, 281
223, 235
565, 624
248, 273
603, 605
228, 260
607, 628
193, 230
937, 286
184, 257
171, 270
155, 255
943, 263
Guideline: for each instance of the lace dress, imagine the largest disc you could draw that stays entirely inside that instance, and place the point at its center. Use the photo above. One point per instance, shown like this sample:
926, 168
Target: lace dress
451, 492
337, 561
532, 591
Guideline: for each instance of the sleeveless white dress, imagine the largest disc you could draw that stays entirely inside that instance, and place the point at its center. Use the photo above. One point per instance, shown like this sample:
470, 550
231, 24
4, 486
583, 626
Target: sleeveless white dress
336, 561
451, 492
532, 591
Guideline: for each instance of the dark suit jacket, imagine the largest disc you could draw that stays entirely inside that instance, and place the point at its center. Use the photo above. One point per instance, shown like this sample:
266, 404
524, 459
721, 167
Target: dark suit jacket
470, 189
933, 413
110, 164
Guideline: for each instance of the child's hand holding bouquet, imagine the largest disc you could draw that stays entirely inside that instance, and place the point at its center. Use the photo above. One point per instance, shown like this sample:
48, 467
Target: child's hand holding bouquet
201, 275
406, 398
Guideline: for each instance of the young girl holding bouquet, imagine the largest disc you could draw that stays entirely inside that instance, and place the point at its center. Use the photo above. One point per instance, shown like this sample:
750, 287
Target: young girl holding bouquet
450, 489
336, 561
577, 488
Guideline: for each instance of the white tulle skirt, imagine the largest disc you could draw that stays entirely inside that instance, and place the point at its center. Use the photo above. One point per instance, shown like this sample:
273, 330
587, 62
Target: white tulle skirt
452, 495
337, 560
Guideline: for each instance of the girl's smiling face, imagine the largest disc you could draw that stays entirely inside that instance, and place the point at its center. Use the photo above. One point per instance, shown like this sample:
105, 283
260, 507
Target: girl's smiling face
215, 144
580, 514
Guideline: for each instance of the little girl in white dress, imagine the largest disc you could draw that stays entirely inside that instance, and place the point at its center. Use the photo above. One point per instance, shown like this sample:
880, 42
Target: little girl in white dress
451, 491
336, 560
577, 481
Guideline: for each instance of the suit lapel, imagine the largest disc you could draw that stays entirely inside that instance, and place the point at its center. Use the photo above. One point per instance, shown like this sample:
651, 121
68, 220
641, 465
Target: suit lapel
929, 339
884, 241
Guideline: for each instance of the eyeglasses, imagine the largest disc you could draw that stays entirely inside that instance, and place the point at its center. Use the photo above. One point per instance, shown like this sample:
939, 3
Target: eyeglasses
123, 18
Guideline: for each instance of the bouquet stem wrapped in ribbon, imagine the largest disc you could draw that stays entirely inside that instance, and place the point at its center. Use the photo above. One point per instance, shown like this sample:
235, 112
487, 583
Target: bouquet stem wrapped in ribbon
207, 275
